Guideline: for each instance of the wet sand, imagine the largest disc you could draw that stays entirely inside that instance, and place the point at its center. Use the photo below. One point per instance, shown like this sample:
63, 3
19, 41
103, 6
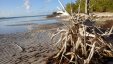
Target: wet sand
32, 47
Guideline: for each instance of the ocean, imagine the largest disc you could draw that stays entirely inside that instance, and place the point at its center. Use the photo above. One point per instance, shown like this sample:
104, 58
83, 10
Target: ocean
22, 23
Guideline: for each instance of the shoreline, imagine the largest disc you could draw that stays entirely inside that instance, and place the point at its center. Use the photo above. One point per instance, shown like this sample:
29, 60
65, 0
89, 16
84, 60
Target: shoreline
33, 47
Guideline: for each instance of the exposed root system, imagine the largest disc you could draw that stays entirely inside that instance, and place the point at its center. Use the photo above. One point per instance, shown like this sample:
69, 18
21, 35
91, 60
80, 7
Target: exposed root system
83, 43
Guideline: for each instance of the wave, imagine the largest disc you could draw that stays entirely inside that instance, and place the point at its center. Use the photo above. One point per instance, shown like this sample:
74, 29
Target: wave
21, 17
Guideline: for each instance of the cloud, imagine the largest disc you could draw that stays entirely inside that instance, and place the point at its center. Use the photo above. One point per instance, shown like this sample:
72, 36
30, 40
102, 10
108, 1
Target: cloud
48, 1
27, 4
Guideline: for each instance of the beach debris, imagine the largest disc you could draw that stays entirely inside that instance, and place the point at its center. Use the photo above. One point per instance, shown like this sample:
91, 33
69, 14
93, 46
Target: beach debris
83, 43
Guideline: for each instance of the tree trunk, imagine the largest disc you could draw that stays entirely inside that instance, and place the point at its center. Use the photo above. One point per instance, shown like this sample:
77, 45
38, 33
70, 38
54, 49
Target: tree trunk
87, 7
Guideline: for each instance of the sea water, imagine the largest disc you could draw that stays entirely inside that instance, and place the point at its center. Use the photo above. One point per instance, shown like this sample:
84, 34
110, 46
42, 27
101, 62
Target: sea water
21, 24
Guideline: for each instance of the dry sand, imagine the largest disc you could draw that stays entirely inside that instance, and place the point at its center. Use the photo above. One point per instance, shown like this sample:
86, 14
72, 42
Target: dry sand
33, 47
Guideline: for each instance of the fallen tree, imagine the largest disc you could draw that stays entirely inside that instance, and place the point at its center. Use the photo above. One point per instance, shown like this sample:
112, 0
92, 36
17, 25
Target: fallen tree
83, 43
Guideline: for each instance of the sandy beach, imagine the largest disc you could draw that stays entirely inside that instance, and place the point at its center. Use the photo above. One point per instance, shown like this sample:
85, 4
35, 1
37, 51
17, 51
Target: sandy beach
32, 47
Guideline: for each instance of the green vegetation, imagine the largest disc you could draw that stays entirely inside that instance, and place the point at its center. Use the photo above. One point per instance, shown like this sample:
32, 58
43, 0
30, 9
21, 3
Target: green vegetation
95, 6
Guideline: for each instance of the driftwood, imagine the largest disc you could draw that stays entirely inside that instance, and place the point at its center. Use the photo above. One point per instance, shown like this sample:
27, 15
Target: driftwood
84, 43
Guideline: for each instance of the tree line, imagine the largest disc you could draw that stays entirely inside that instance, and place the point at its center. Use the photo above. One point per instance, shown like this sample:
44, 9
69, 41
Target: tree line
95, 6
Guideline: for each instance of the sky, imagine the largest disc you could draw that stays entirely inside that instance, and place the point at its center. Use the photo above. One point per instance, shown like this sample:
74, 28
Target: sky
10, 8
